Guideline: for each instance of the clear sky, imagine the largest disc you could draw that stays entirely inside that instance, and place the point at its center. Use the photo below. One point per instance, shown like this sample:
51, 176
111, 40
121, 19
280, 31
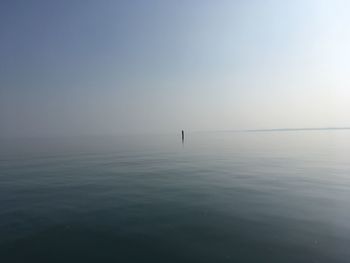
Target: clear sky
115, 67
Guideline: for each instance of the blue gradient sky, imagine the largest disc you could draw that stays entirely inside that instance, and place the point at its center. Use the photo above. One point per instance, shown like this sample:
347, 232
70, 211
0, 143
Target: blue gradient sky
115, 67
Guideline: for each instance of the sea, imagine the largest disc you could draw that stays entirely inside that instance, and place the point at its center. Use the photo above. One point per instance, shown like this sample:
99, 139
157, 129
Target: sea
253, 196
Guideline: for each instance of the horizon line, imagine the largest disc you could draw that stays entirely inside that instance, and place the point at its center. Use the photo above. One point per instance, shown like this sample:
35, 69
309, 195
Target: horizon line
288, 129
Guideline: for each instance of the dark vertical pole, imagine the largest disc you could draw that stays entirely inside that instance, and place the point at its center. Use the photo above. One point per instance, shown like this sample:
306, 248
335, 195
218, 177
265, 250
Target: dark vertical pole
183, 135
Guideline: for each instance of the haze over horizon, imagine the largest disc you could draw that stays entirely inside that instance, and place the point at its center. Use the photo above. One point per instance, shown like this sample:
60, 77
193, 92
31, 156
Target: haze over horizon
119, 67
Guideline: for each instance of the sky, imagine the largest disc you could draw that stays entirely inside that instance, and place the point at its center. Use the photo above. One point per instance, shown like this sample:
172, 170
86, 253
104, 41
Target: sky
120, 67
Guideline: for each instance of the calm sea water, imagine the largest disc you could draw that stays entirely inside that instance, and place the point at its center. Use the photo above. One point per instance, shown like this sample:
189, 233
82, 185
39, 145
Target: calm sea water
220, 197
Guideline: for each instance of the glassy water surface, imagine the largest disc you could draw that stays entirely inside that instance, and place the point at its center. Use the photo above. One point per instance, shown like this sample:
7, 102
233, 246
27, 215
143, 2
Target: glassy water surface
219, 197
